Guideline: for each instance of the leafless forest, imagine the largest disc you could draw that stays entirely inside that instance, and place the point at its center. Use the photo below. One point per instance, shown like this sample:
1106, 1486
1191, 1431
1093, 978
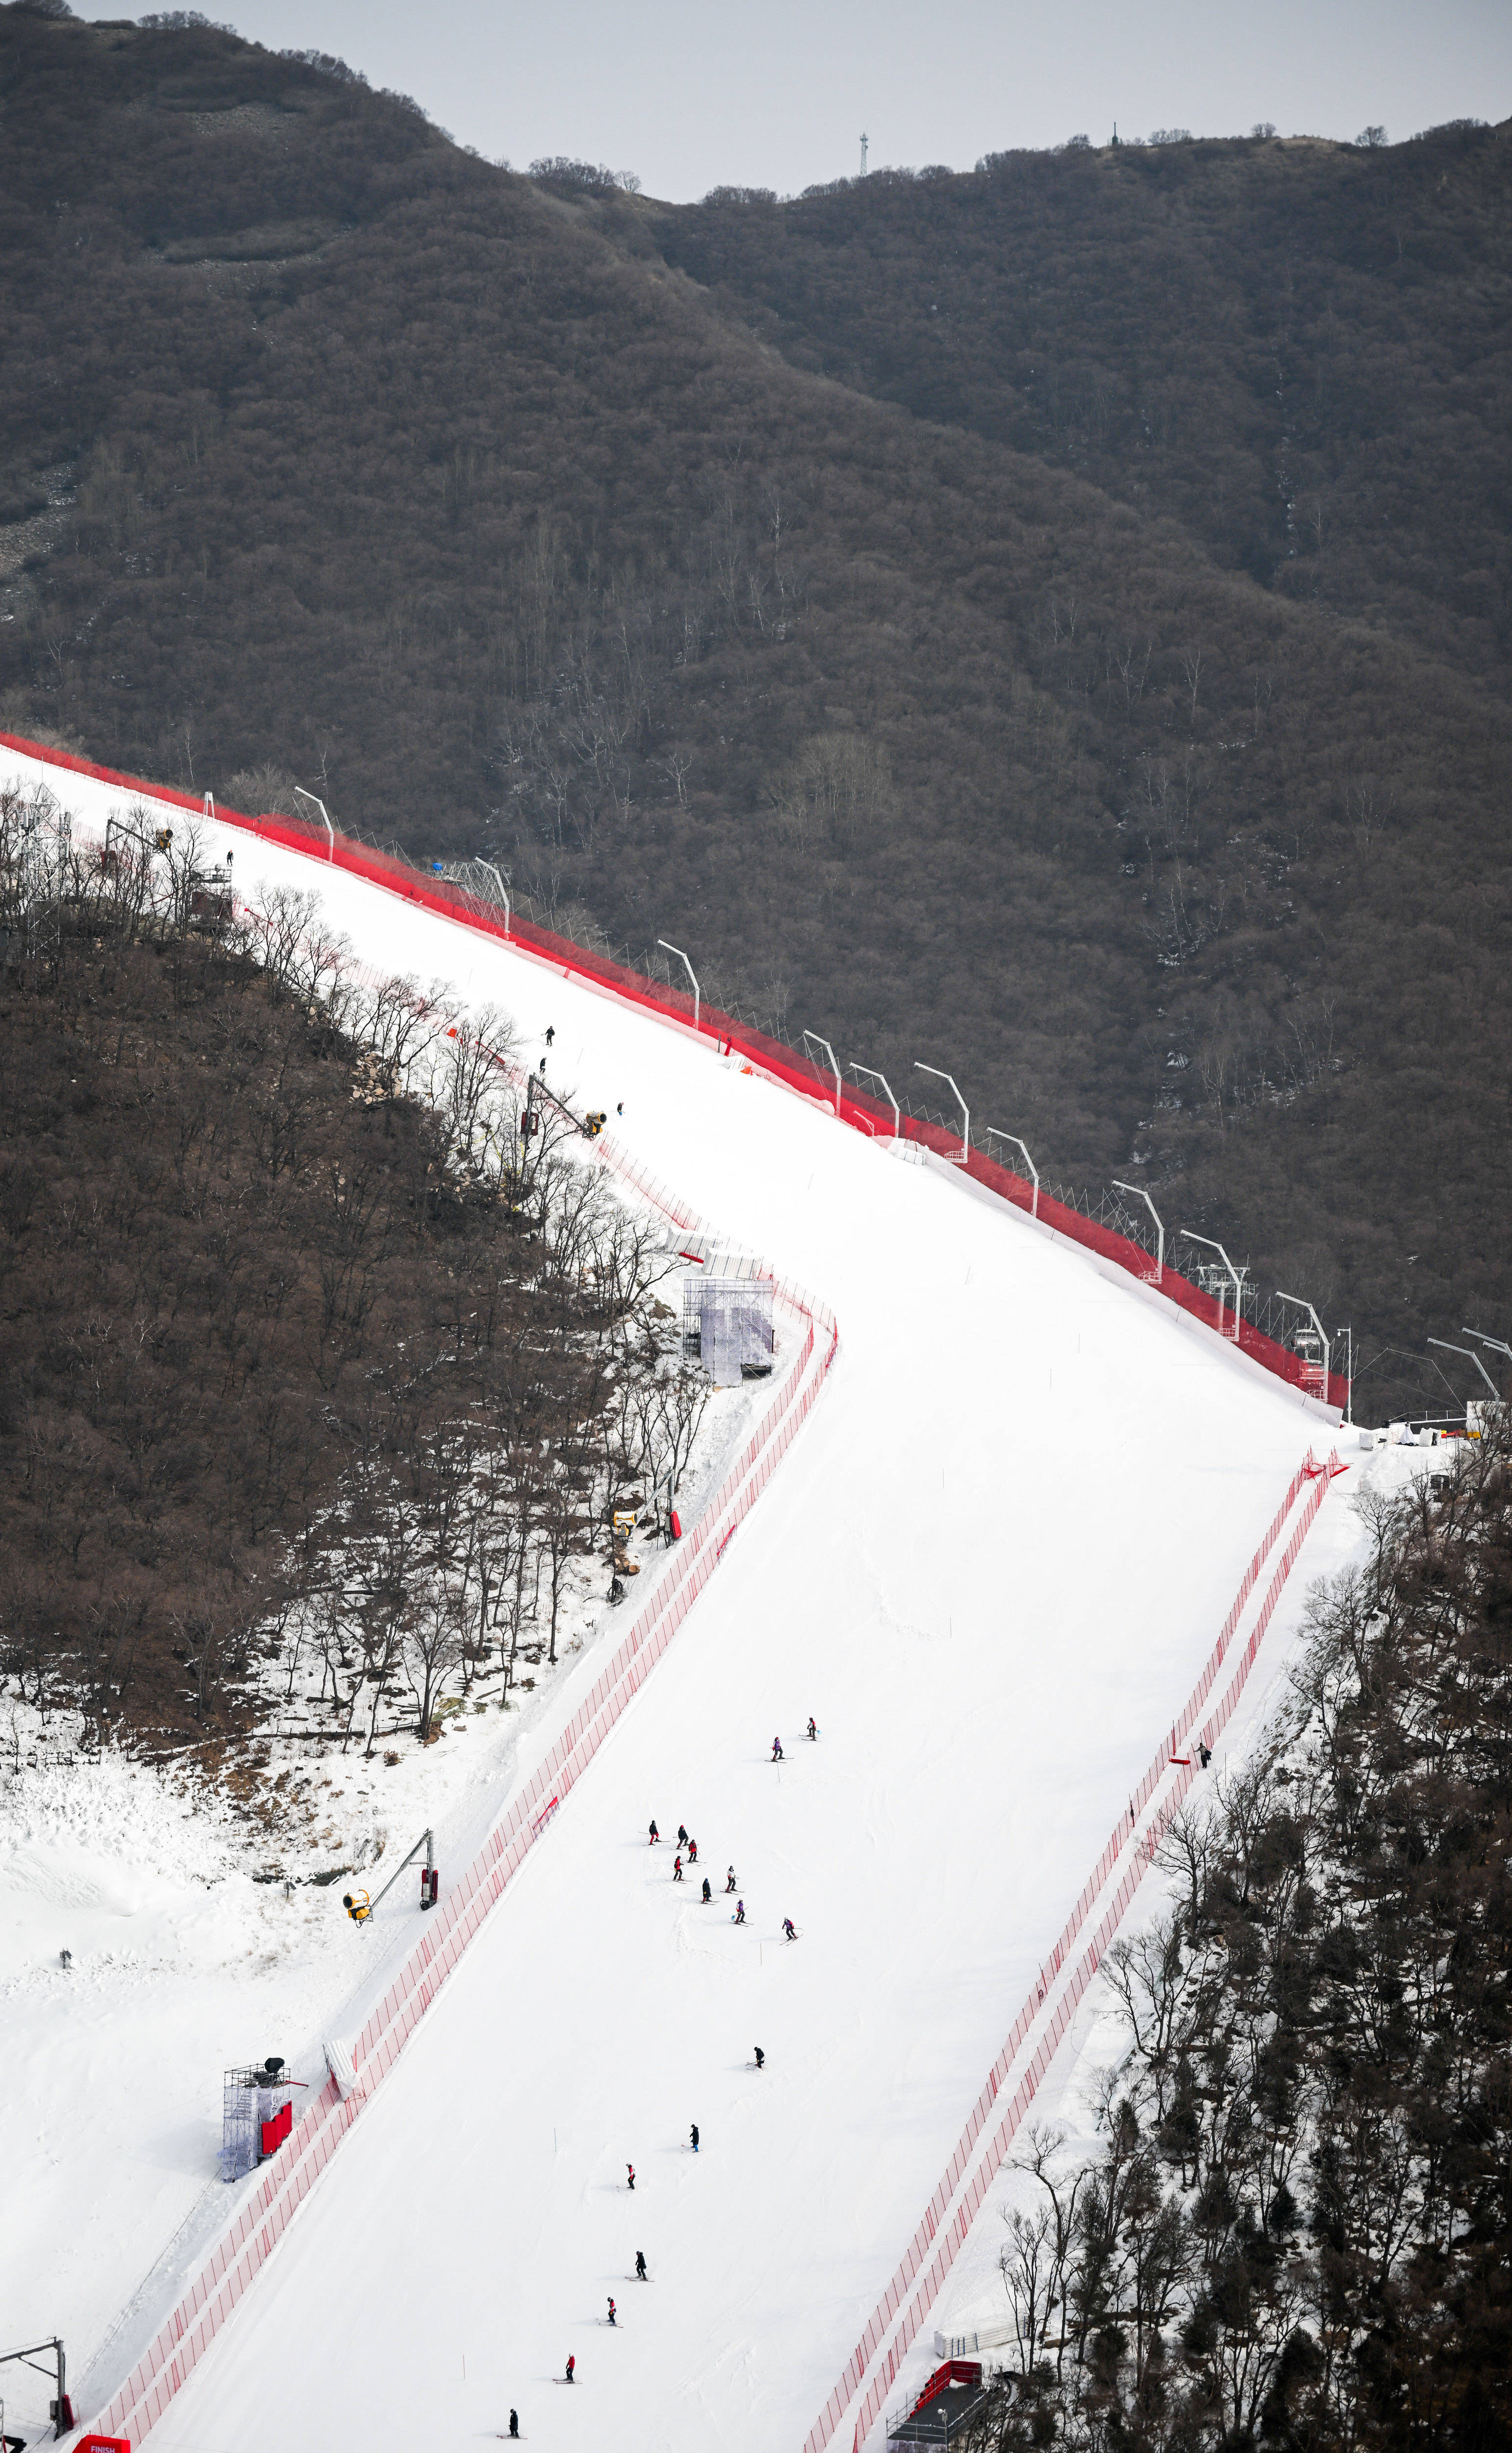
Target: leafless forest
315, 1370
1298, 2229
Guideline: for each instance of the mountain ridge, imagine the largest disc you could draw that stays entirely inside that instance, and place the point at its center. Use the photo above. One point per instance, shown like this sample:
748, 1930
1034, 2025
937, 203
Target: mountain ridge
487, 521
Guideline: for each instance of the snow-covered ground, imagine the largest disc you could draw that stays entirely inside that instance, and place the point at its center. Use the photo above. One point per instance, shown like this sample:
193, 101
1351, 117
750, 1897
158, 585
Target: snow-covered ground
1066, 2100
990, 1565
197, 1938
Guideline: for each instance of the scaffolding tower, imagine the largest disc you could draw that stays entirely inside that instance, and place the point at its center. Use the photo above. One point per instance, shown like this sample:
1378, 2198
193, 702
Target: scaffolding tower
728, 1325
256, 2117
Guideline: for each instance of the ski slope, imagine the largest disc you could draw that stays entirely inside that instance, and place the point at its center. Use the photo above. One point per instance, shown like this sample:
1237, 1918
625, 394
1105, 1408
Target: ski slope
991, 1567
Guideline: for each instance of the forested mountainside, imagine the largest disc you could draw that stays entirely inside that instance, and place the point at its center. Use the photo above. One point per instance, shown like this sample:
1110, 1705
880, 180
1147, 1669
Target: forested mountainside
1295, 2231
1088, 675
1300, 352
311, 1365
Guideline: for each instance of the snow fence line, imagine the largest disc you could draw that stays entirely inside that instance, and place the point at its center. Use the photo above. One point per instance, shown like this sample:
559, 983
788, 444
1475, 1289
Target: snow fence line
291, 2173
771, 1057
1058, 2008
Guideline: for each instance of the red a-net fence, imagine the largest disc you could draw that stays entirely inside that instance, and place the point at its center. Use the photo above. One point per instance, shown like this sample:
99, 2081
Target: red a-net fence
1057, 1993
857, 1109
1060, 1986
287, 2180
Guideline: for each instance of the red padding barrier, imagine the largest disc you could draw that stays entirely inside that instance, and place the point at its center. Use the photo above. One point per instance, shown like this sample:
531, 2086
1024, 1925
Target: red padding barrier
855, 1107
276, 2130
953, 2372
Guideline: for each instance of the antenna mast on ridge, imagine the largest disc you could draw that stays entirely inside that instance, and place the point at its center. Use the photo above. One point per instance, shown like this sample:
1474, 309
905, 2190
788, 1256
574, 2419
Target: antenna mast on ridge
864, 153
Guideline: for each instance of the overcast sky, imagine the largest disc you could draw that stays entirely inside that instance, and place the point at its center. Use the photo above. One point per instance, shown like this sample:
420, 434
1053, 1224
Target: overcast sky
775, 94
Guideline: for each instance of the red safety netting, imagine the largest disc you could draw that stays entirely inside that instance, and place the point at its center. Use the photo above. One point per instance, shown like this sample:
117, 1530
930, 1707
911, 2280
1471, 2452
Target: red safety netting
1052, 2002
288, 2179
857, 1109
291, 2174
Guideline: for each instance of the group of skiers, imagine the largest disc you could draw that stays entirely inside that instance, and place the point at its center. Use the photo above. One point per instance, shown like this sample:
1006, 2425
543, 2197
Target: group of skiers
685, 1843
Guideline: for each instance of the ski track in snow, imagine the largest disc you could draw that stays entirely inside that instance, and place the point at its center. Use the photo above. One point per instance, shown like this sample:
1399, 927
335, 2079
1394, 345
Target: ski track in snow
991, 1565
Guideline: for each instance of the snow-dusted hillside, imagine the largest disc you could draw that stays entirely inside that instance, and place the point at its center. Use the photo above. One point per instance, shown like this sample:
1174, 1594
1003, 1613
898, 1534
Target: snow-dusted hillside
991, 1568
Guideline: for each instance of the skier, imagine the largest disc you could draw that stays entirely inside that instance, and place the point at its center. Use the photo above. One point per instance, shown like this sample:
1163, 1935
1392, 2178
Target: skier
787, 1929
730, 1882
682, 1835
542, 1064
812, 1731
777, 1750
760, 2058
620, 1109
693, 2134
611, 2312
708, 1893
655, 1835
677, 1869
692, 1852
571, 2365
630, 2168
639, 2266
551, 1032
740, 1912
1204, 1756
514, 2423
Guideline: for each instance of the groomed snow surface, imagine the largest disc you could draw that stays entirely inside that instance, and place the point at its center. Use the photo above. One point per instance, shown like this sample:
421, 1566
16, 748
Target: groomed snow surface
991, 1568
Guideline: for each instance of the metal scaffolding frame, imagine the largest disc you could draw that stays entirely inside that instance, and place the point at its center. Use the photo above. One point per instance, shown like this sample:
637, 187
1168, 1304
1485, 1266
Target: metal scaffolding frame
249, 2097
727, 1324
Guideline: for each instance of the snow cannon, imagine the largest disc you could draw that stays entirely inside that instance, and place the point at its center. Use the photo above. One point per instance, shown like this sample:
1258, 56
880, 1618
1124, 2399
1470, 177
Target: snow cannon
362, 1910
